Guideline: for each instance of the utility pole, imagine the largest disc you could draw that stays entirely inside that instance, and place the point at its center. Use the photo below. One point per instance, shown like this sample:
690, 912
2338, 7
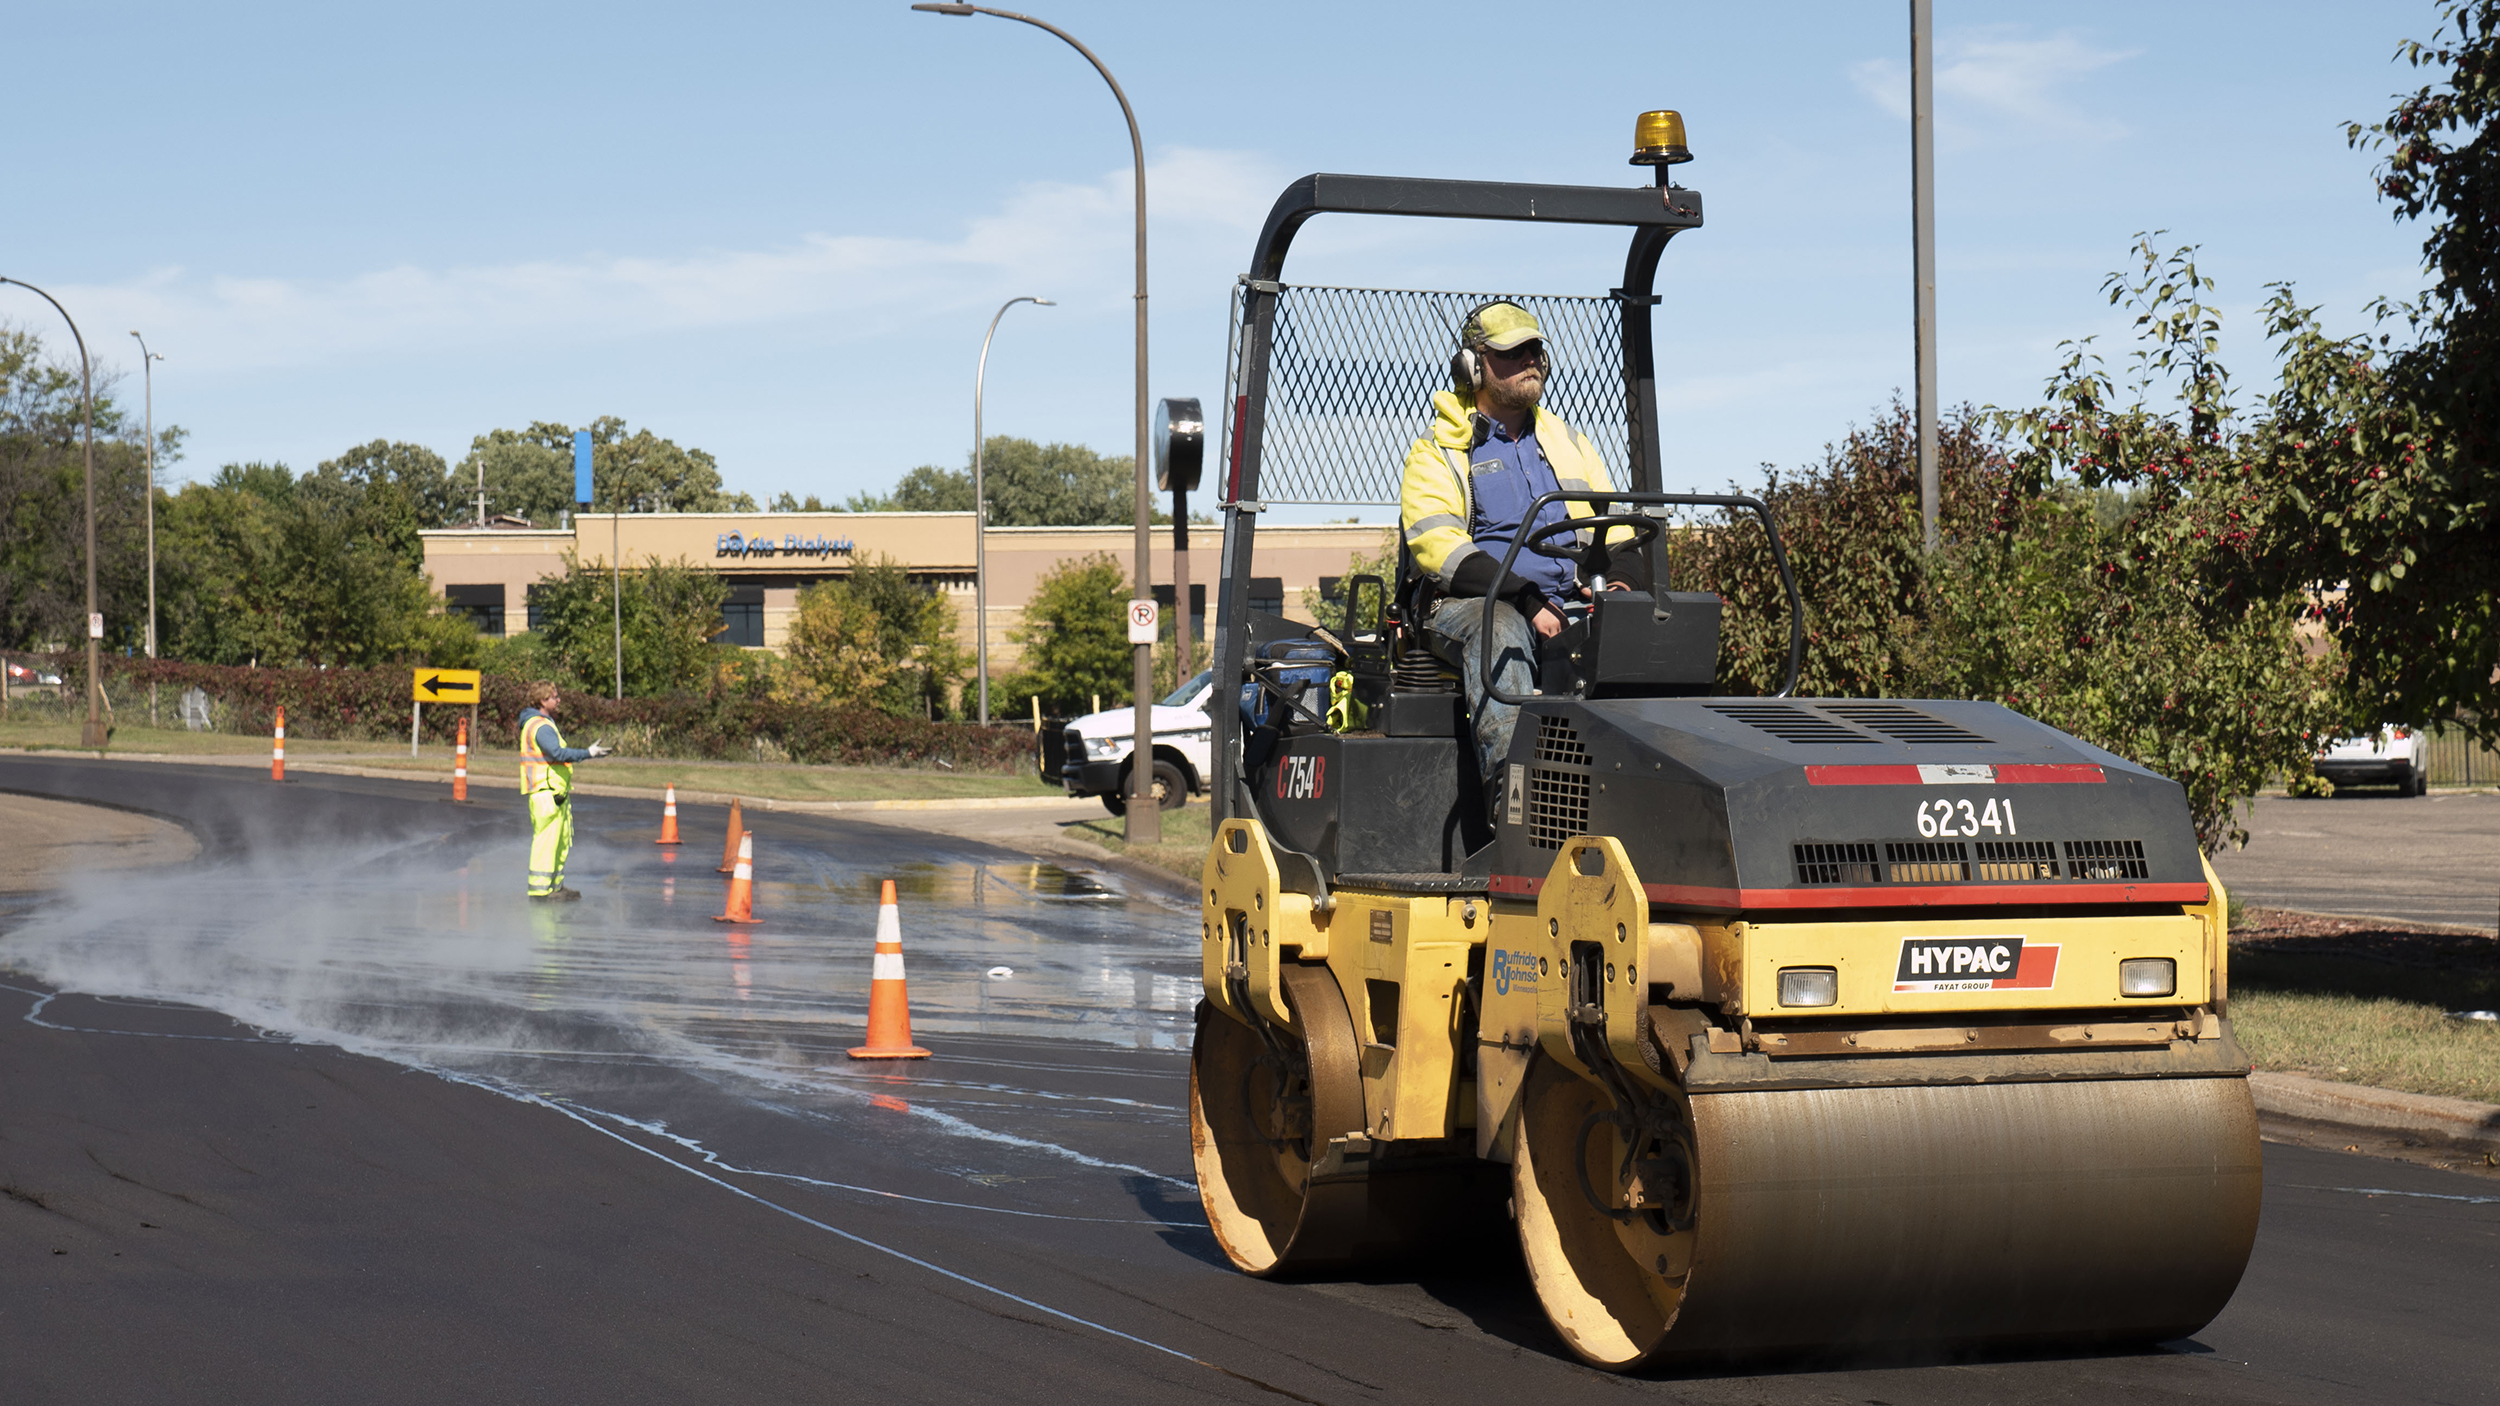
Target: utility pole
1923, 251
981, 514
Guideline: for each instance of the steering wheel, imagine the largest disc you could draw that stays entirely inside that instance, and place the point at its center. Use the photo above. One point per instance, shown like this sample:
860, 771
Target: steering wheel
1644, 528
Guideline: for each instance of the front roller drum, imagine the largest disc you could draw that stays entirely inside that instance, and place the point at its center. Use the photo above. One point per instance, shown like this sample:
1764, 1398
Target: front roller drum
2081, 1212
1276, 1127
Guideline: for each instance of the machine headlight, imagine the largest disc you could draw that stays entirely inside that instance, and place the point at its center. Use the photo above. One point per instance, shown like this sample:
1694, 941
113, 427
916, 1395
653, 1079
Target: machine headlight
2147, 976
1105, 748
1809, 986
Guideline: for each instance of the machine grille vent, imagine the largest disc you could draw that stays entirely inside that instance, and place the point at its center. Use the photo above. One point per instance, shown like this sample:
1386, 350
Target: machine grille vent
2106, 859
1926, 862
1789, 724
1558, 786
2016, 861
1558, 741
1903, 724
1558, 806
1836, 864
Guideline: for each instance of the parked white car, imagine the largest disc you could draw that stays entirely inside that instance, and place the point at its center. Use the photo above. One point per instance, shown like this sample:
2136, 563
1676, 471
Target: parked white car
2398, 756
1096, 749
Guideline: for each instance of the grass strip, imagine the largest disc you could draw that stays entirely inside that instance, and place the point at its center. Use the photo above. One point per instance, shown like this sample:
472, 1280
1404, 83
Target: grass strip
500, 766
2366, 1003
1183, 850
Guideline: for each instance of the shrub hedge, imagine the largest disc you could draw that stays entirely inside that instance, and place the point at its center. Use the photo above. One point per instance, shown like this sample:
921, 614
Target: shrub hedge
372, 705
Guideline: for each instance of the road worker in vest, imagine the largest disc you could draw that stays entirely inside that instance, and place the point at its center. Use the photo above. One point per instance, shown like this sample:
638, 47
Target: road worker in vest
1494, 449
547, 785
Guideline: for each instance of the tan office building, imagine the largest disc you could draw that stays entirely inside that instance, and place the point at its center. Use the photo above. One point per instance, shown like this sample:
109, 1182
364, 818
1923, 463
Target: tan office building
768, 558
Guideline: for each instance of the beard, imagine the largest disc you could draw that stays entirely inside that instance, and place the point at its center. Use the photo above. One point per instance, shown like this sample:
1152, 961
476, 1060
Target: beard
1516, 396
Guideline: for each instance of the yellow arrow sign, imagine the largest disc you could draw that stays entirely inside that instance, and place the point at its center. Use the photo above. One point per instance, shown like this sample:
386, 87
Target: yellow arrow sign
446, 686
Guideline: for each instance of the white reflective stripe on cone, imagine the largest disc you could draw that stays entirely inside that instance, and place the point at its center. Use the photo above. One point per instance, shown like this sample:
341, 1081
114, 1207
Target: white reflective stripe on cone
887, 967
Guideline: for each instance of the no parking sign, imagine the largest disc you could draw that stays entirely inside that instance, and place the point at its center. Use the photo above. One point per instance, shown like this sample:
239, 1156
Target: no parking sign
1144, 616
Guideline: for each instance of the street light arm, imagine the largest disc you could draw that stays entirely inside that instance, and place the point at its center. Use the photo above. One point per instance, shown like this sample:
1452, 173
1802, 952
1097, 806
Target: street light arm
94, 733
981, 515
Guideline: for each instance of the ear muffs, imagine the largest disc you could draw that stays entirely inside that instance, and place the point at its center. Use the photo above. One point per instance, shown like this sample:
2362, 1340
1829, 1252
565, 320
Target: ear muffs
1467, 364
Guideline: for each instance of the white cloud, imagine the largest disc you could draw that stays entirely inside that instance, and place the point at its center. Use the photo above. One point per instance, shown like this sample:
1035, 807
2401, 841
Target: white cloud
1056, 238
1993, 83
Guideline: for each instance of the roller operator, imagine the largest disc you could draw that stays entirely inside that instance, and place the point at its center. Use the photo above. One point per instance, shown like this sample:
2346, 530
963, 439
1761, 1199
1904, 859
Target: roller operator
547, 786
1494, 449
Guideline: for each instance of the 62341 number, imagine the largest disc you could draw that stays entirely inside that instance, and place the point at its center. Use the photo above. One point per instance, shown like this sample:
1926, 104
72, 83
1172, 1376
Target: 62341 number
1965, 818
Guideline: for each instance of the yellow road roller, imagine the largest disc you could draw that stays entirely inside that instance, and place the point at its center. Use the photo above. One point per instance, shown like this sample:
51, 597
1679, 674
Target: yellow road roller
1773, 1023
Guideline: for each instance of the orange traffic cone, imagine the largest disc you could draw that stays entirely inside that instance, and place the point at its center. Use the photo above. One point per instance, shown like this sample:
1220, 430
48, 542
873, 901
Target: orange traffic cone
889, 1002
668, 820
737, 827
460, 764
742, 885
277, 748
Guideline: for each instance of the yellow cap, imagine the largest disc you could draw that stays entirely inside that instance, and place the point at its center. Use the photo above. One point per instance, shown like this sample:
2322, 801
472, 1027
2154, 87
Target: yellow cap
1500, 326
1658, 139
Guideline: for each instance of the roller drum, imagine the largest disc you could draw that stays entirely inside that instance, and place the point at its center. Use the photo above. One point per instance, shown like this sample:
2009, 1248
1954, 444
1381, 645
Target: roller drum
2055, 1212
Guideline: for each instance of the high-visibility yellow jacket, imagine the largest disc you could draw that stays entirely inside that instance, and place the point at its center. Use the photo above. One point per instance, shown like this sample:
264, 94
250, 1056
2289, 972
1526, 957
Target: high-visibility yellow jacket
1436, 508
541, 746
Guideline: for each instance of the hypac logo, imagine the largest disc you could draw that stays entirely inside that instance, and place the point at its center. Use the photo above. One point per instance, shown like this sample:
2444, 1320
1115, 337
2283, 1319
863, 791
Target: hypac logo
2004, 963
1301, 778
1513, 969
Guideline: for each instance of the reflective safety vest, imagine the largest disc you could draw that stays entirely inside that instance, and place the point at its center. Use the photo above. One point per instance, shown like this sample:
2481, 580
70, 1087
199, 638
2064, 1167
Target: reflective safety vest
538, 773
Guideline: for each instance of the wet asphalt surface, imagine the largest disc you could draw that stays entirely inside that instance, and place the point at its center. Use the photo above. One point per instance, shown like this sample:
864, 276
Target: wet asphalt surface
2372, 853
334, 1114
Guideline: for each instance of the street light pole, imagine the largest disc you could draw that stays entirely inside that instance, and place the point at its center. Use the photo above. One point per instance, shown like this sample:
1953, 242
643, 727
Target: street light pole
1144, 820
1923, 252
93, 734
147, 365
981, 514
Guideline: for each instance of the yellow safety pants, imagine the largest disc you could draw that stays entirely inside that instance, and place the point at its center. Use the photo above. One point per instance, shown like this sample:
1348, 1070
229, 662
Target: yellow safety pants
551, 840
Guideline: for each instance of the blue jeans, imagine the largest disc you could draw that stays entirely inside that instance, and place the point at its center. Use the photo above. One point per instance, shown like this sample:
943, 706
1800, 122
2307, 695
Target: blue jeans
1461, 621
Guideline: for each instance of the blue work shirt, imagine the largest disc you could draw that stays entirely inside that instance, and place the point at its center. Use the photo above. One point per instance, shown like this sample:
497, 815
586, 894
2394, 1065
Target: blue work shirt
1504, 476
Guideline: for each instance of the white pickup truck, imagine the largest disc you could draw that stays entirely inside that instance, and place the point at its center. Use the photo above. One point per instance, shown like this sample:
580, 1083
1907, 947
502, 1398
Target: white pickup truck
1094, 757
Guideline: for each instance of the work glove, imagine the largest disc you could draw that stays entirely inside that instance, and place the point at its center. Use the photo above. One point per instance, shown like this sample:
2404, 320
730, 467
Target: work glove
600, 749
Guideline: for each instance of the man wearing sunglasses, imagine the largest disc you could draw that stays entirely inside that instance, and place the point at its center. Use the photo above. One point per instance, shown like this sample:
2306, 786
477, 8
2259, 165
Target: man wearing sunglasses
1494, 449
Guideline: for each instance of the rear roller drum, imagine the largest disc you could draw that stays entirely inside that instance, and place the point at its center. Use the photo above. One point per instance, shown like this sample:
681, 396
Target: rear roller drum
1611, 1278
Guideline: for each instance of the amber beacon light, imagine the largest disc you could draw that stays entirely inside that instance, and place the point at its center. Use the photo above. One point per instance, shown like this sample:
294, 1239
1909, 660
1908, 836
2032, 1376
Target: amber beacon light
1658, 139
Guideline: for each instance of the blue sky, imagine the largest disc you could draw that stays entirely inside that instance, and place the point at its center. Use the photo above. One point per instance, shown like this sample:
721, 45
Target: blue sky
776, 231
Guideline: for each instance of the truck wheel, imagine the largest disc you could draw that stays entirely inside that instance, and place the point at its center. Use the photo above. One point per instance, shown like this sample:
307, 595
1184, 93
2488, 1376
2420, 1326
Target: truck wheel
1171, 790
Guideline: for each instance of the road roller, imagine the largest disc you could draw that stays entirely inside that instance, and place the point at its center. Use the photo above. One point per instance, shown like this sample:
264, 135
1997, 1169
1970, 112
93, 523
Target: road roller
1770, 1024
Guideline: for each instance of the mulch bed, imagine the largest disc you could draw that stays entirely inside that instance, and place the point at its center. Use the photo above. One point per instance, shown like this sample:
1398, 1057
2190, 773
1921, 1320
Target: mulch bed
2277, 931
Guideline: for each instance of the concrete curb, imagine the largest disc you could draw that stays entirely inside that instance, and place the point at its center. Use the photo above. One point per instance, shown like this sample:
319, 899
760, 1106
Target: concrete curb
2359, 1106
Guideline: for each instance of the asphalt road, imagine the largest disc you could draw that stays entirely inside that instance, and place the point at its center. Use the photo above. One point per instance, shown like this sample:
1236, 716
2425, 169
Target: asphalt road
2433, 858
332, 1115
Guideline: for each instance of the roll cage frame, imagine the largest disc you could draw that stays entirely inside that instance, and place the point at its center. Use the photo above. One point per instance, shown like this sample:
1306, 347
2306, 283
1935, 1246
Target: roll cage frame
1654, 213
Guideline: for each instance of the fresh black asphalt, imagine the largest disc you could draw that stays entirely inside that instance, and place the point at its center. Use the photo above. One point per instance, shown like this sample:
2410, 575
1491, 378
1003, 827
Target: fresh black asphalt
457, 1152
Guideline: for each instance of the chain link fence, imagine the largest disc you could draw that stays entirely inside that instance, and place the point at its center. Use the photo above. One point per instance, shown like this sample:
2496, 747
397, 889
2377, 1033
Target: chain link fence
1351, 372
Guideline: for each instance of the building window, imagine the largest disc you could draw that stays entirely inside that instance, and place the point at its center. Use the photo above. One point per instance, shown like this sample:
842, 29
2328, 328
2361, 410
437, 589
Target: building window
537, 598
1268, 593
742, 617
481, 606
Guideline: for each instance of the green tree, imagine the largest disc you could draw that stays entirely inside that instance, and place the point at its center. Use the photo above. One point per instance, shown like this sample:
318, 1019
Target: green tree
530, 472
1029, 484
837, 651
671, 613
1075, 638
43, 552
783, 502
399, 489
258, 566
2387, 458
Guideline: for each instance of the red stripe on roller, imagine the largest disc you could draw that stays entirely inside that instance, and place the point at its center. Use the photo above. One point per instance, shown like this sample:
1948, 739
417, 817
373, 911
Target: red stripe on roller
2017, 773
1862, 776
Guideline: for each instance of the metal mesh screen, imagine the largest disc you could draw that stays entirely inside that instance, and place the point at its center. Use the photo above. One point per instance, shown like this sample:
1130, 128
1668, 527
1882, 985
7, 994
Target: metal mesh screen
1351, 374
